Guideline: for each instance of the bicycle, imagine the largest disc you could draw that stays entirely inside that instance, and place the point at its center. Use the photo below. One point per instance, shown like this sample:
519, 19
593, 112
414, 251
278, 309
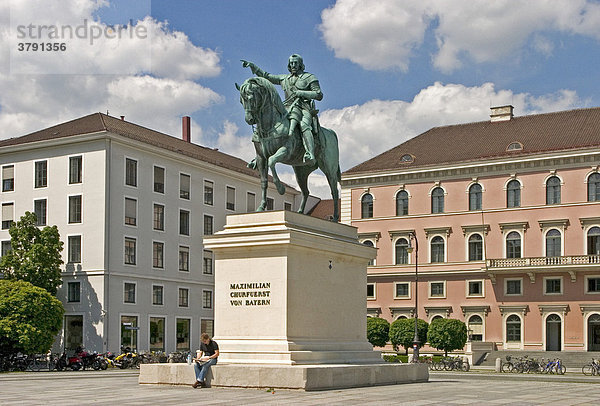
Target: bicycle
593, 368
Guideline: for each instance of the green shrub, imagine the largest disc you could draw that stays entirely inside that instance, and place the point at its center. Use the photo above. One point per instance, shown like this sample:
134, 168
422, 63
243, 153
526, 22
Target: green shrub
30, 318
378, 331
447, 334
402, 333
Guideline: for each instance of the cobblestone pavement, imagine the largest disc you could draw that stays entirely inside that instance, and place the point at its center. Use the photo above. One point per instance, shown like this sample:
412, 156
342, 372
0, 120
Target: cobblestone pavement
121, 387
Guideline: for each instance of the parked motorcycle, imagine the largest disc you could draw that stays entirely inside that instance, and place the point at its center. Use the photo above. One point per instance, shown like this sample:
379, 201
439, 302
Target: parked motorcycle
89, 359
74, 362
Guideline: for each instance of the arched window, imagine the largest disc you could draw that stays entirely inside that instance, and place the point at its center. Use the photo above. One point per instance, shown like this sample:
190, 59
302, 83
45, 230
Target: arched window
475, 248
513, 245
437, 249
476, 326
513, 194
553, 243
402, 203
475, 197
594, 187
438, 317
401, 251
593, 241
513, 328
553, 190
437, 200
366, 206
369, 243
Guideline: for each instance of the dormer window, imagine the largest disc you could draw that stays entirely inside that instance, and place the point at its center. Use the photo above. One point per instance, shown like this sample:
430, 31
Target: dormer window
406, 158
514, 146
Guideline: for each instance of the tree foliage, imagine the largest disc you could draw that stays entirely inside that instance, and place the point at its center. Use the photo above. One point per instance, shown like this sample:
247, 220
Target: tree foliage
447, 334
35, 254
30, 318
402, 333
378, 331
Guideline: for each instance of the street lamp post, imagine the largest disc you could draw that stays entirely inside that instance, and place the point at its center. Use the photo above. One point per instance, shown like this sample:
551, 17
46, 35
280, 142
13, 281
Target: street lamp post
416, 341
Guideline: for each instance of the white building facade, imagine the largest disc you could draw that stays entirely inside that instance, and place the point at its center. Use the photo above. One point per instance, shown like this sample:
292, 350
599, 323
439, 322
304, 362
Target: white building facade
132, 206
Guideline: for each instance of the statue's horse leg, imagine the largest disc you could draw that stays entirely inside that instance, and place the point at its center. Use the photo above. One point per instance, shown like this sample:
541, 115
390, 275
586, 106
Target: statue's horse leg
302, 173
328, 161
281, 155
261, 164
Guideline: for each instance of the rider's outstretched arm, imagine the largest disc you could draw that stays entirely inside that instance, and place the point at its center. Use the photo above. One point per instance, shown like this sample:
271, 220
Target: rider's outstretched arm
275, 79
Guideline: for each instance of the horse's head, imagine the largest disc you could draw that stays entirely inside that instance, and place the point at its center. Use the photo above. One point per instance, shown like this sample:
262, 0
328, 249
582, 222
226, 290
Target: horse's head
255, 95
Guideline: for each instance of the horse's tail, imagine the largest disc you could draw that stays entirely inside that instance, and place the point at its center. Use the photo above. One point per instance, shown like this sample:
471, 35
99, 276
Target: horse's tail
339, 174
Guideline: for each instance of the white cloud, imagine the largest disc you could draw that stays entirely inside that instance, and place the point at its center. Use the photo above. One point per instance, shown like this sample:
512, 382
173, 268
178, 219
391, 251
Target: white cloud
154, 92
231, 143
371, 128
380, 34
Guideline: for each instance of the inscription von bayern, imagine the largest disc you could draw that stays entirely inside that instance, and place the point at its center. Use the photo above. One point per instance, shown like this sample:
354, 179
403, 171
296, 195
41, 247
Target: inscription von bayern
250, 294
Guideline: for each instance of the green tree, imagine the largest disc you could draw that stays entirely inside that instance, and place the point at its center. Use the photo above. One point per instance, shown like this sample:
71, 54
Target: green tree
402, 332
378, 331
30, 318
447, 334
35, 254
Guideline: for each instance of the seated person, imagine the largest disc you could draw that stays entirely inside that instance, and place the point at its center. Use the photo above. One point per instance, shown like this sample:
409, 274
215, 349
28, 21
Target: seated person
209, 352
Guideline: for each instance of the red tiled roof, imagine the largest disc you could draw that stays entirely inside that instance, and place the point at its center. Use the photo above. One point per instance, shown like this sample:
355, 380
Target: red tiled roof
99, 122
324, 209
560, 131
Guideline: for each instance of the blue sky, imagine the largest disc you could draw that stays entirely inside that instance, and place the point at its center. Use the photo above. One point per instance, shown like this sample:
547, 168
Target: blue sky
389, 69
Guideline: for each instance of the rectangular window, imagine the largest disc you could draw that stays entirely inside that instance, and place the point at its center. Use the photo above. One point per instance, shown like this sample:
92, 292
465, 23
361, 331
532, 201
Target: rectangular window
552, 286
475, 288
73, 292
207, 299
157, 295
157, 254
131, 172
270, 203
157, 333
74, 209
184, 297
184, 186
41, 174
208, 225
593, 285
159, 179
74, 242
250, 202
287, 206
130, 248
129, 332
39, 208
183, 335
513, 287
130, 211
6, 247
370, 291
8, 178
128, 292
207, 326
7, 215
75, 166
402, 290
208, 192
207, 262
184, 222
159, 217
184, 259
230, 204
436, 289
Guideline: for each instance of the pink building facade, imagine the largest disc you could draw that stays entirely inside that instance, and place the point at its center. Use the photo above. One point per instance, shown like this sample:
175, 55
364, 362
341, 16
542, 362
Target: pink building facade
506, 217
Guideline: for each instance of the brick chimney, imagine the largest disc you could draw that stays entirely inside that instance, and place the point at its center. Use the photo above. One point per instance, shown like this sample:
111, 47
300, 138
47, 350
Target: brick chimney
186, 130
501, 113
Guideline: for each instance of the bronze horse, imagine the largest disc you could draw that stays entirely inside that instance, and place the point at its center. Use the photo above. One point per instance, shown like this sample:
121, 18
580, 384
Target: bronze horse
263, 107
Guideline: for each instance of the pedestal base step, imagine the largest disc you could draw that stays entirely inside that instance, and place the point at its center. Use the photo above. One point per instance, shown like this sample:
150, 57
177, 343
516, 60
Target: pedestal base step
305, 377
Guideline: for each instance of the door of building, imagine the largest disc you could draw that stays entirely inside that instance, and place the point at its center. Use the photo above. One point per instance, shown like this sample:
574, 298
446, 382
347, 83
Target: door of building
73, 332
553, 333
594, 333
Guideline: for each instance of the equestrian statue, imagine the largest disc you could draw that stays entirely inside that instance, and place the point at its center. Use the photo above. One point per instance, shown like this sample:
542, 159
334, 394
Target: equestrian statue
288, 131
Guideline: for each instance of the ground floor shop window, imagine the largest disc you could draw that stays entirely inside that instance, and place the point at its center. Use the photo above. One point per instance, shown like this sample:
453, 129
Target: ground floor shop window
73, 332
129, 331
183, 335
207, 326
157, 333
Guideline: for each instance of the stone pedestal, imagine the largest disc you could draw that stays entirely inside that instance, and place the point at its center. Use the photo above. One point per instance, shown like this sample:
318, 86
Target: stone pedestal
290, 289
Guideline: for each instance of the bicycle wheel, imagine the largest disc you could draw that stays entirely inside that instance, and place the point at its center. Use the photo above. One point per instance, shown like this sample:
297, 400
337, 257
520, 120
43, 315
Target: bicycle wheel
561, 369
466, 366
37, 365
588, 370
507, 367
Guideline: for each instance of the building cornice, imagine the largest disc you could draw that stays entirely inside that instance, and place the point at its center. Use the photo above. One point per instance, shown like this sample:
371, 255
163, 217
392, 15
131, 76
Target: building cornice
475, 309
518, 225
367, 236
479, 228
559, 223
489, 167
586, 221
523, 309
553, 308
